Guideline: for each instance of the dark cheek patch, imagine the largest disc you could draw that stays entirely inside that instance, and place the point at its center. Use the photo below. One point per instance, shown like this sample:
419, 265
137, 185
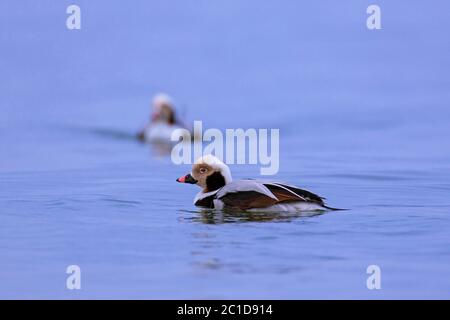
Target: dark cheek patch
215, 181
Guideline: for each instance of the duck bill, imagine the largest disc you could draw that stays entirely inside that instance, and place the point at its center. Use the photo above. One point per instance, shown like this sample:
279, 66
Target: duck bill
154, 117
187, 179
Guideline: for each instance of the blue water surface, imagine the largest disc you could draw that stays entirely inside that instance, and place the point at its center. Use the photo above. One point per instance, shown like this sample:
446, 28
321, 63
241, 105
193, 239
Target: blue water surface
363, 118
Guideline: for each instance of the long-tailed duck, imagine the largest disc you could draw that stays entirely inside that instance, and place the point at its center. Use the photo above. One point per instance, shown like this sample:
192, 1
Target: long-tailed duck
220, 192
163, 121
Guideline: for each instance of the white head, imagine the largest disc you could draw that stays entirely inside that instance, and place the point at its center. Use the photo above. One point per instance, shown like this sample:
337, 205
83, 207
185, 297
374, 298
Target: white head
209, 173
163, 109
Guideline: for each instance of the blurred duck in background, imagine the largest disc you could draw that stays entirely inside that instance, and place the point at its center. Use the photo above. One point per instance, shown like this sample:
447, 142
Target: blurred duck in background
163, 121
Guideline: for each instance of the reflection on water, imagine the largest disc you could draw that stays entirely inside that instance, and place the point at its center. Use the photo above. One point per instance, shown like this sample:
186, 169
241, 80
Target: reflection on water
210, 216
161, 149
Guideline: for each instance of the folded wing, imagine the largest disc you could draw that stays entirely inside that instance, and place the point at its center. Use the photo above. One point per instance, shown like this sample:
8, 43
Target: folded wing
247, 194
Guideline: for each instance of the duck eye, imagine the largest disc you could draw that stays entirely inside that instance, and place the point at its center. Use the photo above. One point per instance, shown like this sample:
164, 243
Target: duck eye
203, 170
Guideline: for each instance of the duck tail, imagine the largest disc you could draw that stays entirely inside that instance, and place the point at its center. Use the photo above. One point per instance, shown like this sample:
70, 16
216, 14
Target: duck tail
334, 209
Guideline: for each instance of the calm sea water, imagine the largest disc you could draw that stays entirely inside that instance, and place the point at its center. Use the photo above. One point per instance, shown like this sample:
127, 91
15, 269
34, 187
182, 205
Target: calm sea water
363, 118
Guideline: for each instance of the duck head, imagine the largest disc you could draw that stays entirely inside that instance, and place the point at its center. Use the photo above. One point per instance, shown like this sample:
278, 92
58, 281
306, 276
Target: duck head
163, 109
209, 173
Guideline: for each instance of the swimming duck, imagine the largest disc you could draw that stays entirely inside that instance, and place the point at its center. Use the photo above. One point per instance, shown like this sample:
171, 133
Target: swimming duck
163, 121
219, 191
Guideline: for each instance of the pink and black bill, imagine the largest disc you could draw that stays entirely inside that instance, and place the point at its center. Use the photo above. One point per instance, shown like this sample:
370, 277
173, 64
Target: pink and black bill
187, 179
